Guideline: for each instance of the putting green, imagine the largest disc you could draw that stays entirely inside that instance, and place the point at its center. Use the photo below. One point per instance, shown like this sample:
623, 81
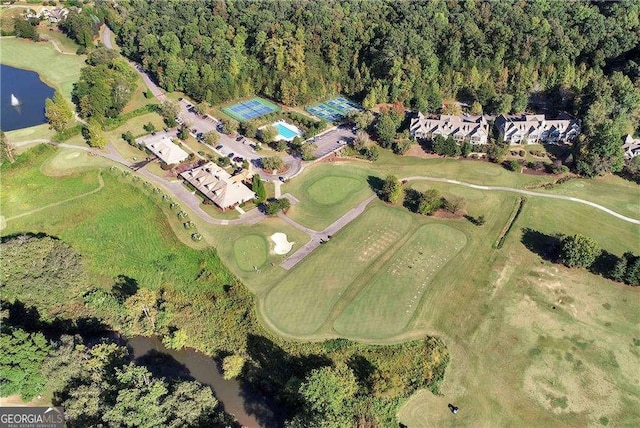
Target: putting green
385, 306
250, 252
303, 301
333, 190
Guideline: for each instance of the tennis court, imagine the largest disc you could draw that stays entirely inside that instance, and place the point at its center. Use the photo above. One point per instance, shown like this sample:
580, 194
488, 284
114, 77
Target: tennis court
250, 109
334, 109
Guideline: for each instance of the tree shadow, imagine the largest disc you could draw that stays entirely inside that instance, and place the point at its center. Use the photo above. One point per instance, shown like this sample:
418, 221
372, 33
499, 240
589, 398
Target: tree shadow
546, 246
124, 287
28, 318
412, 199
164, 365
375, 183
269, 389
604, 264
363, 370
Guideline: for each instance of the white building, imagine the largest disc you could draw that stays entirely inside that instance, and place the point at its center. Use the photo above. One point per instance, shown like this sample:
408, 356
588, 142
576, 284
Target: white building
530, 129
167, 151
473, 129
218, 185
631, 147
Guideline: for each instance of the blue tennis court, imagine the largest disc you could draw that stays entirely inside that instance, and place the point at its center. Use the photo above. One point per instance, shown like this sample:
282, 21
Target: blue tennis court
250, 109
334, 109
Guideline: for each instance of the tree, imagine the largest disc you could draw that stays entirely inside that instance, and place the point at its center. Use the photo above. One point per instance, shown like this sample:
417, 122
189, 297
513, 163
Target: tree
391, 189
21, 361
94, 135
329, 390
361, 119
578, 250
211, 138
466, 149
308, 151
429, 202
201, 108
58, 112
274, 206
602, 152
385, 130
454, 204
169, 110
249, 129
268, 134
183, 133
149, 127
7, 149
496, 152
258, 188
513, 165
229, 126
476, 108
232, 366
401, 147
272, 163
445, 146
371, 153
25, 29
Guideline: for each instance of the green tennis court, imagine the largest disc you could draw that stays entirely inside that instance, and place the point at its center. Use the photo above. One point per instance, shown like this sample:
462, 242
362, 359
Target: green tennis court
250, 109
334, 109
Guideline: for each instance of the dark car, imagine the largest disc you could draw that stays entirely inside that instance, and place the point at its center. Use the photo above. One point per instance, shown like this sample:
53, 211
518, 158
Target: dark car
281, 179
237, 171
231, 155
218, 147
199, 135
238, 159
239, 138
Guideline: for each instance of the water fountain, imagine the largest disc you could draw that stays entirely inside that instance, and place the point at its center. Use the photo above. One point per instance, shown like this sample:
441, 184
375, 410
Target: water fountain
14, 101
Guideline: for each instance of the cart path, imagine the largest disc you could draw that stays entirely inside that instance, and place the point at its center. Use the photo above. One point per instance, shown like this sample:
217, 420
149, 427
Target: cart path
524, 192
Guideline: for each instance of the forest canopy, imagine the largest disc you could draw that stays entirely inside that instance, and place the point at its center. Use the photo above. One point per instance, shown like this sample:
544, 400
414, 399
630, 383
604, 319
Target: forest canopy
494, 53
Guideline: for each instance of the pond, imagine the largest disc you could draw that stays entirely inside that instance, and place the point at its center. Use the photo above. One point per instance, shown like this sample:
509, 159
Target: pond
249, 408
22, 100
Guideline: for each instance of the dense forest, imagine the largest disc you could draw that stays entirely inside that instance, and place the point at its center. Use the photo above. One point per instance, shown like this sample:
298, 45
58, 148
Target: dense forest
496, 53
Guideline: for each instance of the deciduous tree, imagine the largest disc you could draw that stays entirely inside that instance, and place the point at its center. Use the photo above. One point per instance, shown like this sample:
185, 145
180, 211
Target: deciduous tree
578, 250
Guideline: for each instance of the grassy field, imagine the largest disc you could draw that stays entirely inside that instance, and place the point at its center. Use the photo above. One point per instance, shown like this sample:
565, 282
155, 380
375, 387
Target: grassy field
58, 70
62, 41
24, 188
387, 302
302, 303
326, 193
532, 343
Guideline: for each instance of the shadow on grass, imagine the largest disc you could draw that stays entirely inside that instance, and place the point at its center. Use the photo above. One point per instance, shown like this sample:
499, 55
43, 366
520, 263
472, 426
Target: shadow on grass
546, 246
375, 183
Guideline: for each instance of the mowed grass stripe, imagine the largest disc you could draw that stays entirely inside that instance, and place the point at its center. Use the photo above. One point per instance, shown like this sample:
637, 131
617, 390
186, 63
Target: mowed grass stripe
387, 304
327, 192
301, 304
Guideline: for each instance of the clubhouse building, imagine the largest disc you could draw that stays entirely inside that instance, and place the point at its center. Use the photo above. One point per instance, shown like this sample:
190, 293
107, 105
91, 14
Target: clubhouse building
218, 185
167, 151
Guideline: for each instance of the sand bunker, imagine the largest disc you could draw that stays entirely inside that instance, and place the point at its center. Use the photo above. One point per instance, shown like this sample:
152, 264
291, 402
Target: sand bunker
282, 245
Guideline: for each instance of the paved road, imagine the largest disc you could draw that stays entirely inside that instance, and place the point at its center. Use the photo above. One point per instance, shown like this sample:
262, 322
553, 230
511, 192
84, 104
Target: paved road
526, 192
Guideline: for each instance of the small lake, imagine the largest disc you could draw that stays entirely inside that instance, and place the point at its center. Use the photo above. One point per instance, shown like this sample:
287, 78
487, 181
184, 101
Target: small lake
30, 91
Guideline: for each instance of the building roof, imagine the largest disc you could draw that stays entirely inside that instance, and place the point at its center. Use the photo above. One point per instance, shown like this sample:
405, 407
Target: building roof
531, 125
218, 185
463, 126
631, 147
167, 151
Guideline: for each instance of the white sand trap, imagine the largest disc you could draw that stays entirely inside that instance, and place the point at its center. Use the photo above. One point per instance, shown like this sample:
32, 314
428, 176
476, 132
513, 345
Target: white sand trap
73, 155
282, 245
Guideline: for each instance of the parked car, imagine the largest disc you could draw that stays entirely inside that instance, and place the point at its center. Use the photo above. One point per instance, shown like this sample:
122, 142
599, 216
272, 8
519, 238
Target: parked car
238, 159
199, 135
231, 155
281, 179
237, 171
218, 147
239, 138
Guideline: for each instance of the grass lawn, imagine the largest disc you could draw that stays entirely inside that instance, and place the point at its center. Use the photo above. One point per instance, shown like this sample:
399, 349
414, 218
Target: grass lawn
250, 252
327, 192
57, 70
135, 126
64, 43
388, 302
38, 132
25, 187
303, 301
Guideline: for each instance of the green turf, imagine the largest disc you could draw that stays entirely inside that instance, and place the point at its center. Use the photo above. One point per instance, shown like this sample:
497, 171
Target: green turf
227, 109
301, 303
389, 300
38, 132
60, 71
327, 192
250, 252
28, 188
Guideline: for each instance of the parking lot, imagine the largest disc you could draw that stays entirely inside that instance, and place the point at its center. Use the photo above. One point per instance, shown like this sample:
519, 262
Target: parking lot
331, 140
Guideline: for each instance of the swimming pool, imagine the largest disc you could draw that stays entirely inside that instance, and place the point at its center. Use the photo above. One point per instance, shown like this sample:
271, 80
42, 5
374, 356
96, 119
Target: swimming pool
287, 132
